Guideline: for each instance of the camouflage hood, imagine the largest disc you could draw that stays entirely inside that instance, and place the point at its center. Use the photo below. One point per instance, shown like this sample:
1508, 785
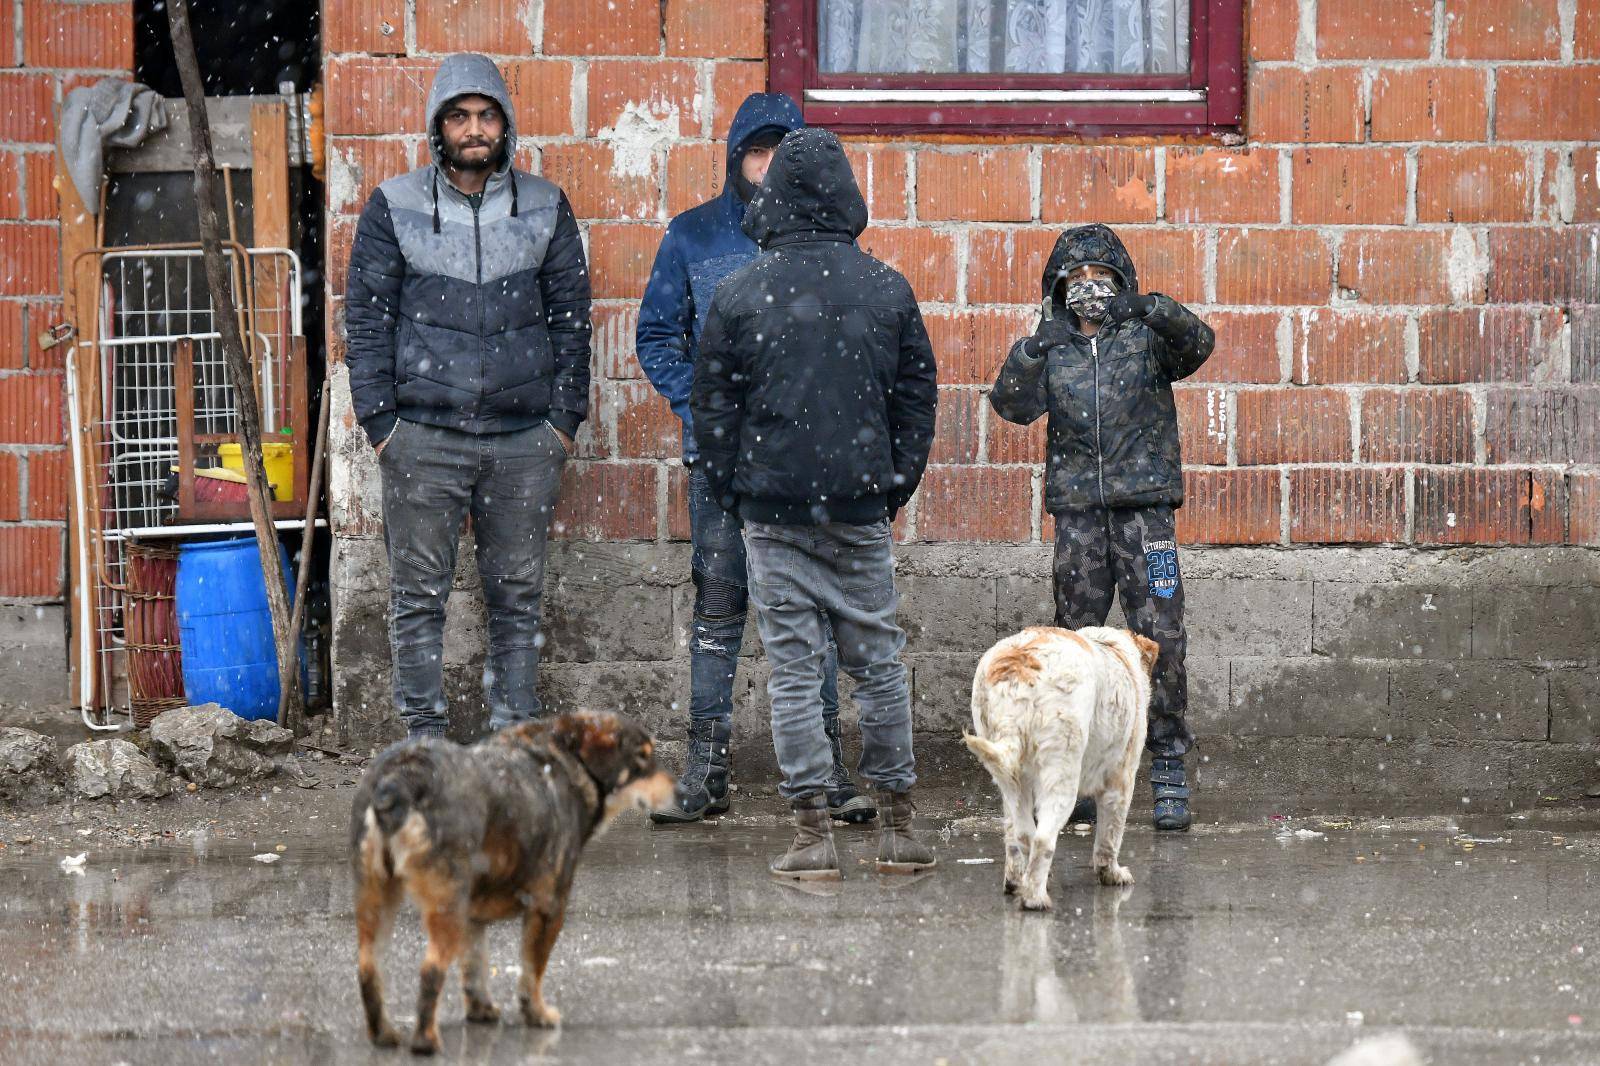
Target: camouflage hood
1086, 245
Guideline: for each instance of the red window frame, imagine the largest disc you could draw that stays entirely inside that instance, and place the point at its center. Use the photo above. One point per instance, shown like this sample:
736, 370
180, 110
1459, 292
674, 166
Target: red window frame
1215, 82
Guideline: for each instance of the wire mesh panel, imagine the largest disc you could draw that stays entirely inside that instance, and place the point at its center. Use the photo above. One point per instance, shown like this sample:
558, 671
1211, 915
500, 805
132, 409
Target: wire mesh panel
150, 302
153, 308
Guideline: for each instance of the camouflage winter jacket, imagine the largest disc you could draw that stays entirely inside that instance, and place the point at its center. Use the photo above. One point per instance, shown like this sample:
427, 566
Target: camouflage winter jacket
1113, 429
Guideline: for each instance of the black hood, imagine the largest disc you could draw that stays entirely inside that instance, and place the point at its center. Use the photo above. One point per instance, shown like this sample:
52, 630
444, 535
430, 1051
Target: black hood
809, 189
1095, 244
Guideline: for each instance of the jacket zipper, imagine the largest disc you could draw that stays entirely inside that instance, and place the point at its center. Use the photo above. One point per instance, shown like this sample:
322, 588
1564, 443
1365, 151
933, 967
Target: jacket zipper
477, 248
1099, 457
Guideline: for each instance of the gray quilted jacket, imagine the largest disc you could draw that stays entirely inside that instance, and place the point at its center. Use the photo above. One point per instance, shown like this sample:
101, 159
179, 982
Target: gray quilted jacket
469, 316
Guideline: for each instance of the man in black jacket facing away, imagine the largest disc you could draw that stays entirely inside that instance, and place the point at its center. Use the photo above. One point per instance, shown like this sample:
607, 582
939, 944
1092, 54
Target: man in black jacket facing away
467, 314
813, 409
1101, 364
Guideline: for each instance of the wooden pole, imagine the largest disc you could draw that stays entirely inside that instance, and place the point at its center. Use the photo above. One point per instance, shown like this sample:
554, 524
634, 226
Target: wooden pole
226, 318
307, 538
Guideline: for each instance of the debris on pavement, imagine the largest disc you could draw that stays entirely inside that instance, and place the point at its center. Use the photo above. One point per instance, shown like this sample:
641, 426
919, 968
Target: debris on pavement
210, 746
113, 769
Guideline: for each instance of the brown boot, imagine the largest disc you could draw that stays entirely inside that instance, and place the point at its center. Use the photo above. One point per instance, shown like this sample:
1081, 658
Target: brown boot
898, 851
812, 856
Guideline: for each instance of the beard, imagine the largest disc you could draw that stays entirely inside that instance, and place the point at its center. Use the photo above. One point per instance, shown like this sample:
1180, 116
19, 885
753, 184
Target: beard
456, 156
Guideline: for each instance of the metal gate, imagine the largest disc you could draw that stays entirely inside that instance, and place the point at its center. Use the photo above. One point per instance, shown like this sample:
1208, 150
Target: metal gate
154, 328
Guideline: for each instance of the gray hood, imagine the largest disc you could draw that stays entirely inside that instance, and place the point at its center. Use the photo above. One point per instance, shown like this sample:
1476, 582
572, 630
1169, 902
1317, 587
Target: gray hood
462, 74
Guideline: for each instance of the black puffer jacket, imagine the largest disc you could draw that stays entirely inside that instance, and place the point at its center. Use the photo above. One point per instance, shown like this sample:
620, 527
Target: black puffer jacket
814, 390
1113, 432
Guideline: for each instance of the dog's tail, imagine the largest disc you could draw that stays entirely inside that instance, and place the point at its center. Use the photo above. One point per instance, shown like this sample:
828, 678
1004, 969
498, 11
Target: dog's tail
392, 800
1001, 758
403, 785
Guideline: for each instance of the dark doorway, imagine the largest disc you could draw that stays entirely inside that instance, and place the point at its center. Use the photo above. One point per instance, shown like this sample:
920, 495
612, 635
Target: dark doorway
244, 48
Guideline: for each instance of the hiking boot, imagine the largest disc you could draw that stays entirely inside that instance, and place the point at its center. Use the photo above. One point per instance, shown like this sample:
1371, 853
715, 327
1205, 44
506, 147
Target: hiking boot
845, 802
898, 851
1171, 788
702, 790
812, 856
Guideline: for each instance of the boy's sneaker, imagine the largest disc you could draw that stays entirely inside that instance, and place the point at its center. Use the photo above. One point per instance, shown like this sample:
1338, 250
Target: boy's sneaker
1171, 788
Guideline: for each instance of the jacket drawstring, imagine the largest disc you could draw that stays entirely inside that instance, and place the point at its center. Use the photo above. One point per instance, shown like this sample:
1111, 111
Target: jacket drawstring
436, 199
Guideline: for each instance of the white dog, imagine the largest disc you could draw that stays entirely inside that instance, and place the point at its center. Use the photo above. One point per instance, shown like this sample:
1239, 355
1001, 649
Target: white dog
1056, 714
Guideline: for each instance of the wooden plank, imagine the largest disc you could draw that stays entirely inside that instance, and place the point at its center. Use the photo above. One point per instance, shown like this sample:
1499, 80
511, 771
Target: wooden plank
269, 152
78, 234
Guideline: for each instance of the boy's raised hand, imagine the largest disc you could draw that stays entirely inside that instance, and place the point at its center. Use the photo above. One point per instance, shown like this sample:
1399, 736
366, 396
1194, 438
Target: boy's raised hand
1047, 334
1128, 305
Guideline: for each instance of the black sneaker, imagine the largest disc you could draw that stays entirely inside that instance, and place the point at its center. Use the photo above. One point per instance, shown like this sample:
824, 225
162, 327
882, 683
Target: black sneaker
845, 802
1171, 788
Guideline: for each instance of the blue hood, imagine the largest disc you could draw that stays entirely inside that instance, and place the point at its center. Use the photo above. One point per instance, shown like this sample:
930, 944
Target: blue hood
758, 112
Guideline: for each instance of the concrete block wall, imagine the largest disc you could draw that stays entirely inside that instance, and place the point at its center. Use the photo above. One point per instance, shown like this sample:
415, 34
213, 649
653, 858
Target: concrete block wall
1315, 673
1391, 465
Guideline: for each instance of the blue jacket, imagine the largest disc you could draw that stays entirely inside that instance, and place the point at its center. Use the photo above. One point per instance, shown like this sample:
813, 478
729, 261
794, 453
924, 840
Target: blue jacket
702, 246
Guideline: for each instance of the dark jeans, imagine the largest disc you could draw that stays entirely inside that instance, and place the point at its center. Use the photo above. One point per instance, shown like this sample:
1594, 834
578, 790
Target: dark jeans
719, 612
802, 580
1132, 551
508, 482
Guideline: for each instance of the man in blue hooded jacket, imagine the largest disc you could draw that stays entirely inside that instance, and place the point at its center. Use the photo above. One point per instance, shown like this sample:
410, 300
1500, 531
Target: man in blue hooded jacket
703, 246
467, 316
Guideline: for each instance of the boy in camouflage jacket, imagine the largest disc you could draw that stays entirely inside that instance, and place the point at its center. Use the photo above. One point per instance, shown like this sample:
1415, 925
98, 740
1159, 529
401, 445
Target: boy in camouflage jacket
1101, 364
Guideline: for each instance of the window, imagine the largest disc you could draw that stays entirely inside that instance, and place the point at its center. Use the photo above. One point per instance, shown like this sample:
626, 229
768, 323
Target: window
1093, 67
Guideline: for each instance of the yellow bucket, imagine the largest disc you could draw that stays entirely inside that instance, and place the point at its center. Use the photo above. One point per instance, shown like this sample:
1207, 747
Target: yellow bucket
279, 460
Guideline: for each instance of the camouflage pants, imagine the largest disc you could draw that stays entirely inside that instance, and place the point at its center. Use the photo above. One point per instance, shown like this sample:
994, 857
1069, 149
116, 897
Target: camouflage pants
1134, 552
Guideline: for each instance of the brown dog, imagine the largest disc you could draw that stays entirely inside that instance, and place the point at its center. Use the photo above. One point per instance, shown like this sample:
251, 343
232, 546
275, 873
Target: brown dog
481, 834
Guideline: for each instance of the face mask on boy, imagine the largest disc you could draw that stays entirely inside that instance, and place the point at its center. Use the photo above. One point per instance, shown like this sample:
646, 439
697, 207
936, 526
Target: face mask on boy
1088, 297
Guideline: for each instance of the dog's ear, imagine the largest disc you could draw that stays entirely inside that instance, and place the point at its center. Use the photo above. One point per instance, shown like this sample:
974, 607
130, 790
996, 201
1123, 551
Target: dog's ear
1148, 650
590, 735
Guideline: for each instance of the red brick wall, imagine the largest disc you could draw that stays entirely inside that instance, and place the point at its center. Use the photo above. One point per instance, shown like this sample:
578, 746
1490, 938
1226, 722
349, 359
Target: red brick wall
61, 45
1401, 261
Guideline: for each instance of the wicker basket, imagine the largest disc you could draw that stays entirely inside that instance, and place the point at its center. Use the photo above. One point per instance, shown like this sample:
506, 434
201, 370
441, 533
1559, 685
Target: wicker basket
150, 621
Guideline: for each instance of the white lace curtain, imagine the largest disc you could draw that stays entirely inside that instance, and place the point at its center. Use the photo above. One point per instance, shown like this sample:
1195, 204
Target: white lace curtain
1004, 36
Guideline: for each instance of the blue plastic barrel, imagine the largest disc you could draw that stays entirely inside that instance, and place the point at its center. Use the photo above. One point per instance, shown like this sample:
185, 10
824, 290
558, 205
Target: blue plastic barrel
226, 627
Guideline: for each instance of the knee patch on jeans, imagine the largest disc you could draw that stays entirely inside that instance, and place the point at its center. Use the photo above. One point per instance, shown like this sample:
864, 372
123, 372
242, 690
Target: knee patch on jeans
716, 600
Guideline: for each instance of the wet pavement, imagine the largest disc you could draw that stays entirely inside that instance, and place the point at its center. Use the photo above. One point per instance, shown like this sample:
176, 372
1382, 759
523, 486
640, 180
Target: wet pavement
1240, 944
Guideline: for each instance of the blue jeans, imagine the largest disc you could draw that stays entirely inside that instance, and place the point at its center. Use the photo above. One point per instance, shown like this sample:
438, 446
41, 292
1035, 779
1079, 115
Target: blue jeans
808, 582
432, 479
719, 621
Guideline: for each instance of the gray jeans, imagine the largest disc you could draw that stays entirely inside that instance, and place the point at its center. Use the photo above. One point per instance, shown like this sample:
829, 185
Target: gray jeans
800, 575
432, 479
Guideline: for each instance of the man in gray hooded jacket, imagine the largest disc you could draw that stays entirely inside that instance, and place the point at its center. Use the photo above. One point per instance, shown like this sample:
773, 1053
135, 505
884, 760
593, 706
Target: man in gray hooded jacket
467, 318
